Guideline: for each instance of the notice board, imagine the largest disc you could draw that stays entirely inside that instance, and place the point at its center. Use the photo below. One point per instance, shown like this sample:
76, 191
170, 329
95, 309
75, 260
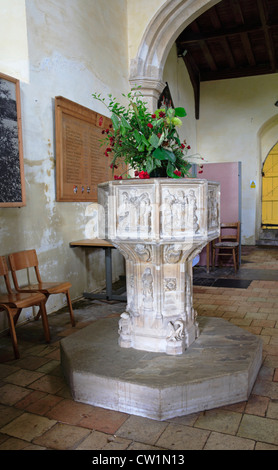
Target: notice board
80, 161
12, 183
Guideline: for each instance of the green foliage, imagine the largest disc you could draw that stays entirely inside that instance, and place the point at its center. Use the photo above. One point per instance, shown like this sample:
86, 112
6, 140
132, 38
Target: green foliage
142, 140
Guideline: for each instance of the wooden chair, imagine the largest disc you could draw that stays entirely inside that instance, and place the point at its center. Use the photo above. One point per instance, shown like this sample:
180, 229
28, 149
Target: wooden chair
13, 302
228, 244
28, 259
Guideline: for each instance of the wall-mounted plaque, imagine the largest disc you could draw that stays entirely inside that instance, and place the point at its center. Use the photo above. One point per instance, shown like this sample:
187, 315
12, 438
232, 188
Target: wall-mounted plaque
12, 183
80, 161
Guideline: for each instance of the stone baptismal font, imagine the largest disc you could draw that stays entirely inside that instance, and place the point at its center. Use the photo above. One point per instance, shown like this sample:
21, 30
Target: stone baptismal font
159, 359
159, 225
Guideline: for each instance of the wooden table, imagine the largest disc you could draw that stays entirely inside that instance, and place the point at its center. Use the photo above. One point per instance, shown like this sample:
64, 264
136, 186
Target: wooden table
107, 246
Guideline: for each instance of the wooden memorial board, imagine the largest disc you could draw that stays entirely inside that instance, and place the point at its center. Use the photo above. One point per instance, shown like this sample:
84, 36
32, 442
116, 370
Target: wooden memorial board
12, 183
80, 161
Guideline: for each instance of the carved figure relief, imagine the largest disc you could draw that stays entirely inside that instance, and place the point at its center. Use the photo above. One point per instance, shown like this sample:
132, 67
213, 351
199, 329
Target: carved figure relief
176, 331
172, 253
213, 208
147, 282
124, 324
144, 252
179, 212
134, 213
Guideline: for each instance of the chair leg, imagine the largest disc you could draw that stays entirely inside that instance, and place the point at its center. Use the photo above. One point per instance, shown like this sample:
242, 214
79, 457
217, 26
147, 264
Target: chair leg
70, 309
43, 314
12, 330
235, 261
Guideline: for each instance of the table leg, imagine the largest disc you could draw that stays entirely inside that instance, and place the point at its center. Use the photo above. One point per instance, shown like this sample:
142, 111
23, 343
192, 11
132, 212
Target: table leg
108, 295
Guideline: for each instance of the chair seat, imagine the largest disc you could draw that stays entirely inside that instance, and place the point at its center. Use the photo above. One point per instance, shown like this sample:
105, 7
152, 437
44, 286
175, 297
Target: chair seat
20, 299
226, 244
47, 287
27, 259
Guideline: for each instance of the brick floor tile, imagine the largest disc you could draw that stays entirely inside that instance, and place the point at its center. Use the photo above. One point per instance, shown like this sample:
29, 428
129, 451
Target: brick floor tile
54, 354
49, 384
11, 394
270, 331
43, 405
23, 377
12, 443
219, 420
29, 399
264, 446
218, 441
6, 370
271, 349
28, 426
264, 323
119, 443
69, 411
97, 440
31, 362
272, 411
49, 367
258, 428
179, 437
257, 405
62, 437
104, 420
7, 414
141, 429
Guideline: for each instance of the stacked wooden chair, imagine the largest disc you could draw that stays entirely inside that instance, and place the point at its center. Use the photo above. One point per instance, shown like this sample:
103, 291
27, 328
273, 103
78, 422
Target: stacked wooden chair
23, 260
13, 303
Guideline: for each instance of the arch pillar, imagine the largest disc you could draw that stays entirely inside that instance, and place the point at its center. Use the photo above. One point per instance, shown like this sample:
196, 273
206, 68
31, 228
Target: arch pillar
146, 68
150, 89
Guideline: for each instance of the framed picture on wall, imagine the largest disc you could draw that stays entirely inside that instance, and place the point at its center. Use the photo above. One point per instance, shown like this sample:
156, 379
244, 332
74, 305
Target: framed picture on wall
12, 184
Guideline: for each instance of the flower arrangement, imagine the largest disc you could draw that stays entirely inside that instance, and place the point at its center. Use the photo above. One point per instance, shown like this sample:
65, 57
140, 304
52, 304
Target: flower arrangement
144, 141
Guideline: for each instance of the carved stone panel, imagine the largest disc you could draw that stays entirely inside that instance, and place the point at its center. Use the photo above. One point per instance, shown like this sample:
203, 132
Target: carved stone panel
159, 225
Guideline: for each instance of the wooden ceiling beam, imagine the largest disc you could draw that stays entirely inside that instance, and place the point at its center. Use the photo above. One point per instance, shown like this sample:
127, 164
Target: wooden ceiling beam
208, 56
237, 11
193, 37
247, 49
268, 38
238, 72
228, 52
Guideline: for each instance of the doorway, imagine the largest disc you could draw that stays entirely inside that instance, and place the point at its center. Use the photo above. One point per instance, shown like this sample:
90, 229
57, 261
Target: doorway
270, 190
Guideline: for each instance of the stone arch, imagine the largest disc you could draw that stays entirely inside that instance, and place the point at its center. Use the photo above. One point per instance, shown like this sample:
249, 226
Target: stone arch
146, 68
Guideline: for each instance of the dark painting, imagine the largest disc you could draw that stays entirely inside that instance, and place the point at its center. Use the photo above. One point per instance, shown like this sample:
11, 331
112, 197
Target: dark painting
10, 164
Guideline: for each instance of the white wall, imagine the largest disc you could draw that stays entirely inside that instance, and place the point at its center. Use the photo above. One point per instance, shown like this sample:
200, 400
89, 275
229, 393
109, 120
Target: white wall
233, 114
176, 75
70, 48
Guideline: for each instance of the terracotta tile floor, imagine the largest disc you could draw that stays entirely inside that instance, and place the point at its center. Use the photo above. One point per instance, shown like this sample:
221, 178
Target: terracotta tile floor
37, 411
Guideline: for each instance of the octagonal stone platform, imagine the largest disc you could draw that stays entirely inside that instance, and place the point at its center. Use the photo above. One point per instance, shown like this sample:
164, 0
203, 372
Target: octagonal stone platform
218, 369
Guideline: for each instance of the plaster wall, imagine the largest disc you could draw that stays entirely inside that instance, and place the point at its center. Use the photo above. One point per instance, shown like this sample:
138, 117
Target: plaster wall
233, 121
176, 75
70, 48
139, 15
